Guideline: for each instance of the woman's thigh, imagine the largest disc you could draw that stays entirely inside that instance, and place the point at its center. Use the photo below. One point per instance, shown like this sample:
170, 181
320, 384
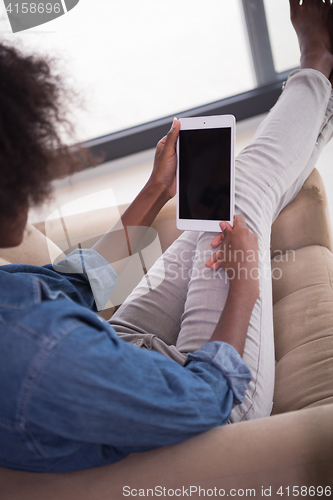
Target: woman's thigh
158, 310
269, 173
185, 308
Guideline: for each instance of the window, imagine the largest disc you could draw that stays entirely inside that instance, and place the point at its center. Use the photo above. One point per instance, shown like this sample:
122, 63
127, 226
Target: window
283, 38
136, 62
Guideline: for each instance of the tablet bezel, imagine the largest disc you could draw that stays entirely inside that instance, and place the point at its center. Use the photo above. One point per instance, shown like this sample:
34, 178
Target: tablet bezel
199, 123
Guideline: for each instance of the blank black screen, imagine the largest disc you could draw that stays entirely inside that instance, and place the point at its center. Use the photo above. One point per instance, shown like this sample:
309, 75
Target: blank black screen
204, 174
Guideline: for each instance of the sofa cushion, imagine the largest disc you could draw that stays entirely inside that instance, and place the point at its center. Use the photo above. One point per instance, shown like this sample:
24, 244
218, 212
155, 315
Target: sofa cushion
303, 323
305, 221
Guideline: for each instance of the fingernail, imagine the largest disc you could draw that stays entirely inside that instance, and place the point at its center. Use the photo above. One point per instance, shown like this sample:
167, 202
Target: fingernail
174, 123
223, 226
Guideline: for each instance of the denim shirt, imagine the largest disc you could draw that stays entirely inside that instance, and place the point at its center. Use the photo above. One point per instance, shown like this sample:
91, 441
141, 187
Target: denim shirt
74, 396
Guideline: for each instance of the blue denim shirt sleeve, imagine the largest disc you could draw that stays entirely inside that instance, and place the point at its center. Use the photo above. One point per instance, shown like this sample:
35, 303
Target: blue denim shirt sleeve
74, 286
113, 393
95, 269
84, 276
225, 357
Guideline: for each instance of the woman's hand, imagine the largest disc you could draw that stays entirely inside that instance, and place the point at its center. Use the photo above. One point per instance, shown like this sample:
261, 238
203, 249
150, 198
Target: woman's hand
163, 176
238, 256
238, 253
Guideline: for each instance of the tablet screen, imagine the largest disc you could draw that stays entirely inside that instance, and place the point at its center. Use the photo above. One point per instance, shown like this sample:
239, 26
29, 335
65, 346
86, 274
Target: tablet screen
204, 174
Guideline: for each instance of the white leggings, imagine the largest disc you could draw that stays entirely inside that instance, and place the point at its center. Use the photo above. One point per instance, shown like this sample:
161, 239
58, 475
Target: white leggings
180, 314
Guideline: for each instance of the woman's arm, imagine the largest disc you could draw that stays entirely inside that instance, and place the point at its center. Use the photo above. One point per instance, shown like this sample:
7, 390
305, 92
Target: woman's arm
125, 236
238, 256
123, 239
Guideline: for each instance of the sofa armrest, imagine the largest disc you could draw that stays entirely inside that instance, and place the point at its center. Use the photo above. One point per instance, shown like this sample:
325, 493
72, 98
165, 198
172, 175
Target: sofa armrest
305, 221
35, 250
293, 449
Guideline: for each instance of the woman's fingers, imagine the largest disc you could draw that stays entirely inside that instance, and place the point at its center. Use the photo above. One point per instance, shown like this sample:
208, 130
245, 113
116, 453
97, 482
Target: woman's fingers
211, 261
216, 266
172, 136
220, 238
217, 241
214, 261
225, 227
223, 238
170, 139
161, 142
239, 221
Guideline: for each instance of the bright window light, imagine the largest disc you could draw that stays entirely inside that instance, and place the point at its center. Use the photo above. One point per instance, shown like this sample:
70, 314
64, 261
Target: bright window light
137, 61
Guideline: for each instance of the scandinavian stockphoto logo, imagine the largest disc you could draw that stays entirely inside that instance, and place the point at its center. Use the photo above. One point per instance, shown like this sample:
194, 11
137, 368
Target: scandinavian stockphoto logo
23, 15
78, 225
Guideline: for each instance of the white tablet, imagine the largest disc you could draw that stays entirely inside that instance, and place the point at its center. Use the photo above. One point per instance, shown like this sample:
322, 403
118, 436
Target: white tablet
205, 172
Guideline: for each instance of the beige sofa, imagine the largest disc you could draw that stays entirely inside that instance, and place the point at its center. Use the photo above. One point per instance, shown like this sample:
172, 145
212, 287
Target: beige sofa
291, 448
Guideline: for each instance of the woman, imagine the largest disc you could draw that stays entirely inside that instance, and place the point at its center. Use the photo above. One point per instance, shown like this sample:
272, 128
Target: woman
74, 394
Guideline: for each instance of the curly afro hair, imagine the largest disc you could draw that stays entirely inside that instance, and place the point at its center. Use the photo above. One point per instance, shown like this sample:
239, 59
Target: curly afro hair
32, 113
